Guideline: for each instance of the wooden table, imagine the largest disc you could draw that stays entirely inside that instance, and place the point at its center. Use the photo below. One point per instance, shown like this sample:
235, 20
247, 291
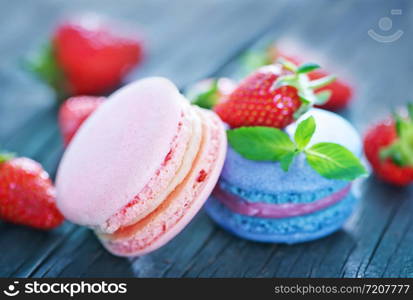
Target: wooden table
189, 40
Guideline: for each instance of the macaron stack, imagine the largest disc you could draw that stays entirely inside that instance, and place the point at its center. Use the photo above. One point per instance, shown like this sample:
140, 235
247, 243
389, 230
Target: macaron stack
289, 168
141, 167
259, 201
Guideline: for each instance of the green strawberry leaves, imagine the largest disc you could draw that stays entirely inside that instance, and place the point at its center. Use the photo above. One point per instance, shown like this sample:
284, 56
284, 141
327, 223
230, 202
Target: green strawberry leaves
330, 160
401, 150
260, 143
205, 99
252, 60
410, 110
305, 87
322, 82
322, 97
307, 67
45, 66
6, 156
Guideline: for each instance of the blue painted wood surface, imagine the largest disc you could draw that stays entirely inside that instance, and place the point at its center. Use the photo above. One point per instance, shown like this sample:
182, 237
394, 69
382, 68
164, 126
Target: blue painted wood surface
189, 40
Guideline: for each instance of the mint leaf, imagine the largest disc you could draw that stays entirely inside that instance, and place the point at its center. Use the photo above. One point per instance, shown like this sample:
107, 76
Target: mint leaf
304, 132
307, 67
260, 143
334, 161
286, 160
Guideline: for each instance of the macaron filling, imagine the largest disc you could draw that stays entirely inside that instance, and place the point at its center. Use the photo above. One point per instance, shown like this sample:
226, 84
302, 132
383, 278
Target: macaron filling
266, 210
285, 194
170, 174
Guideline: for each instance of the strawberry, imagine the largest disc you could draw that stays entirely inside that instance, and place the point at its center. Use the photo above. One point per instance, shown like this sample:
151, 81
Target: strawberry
389, 148
88, 55
209, 92
74, 111
27, 196
273, 96
341, 91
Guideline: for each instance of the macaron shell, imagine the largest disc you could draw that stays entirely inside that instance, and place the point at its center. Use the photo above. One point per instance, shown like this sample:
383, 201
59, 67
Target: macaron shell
261, 202
181, 206
117, 150
174, 169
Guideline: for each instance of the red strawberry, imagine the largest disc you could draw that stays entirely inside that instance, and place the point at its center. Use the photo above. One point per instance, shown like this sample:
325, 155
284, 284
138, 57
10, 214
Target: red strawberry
341, 92
390, 150
89, 55
273, 96
208, 92
73, 112
27, 196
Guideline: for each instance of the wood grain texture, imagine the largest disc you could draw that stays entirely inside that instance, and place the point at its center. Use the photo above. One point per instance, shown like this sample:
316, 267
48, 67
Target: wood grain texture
188, 40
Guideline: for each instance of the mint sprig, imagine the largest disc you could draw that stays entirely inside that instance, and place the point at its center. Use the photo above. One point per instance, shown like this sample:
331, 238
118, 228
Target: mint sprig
330, 160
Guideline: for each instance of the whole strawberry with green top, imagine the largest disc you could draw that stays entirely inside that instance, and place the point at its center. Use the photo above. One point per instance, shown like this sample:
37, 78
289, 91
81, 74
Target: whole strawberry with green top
273, 96
389, 148
88, 55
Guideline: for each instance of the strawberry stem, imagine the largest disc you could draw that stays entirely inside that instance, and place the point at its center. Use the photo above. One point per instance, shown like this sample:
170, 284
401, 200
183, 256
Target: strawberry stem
307, 67
322, 82
287, 64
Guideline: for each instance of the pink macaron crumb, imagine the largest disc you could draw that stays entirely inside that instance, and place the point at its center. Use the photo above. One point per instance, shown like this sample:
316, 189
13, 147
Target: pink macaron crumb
182, 204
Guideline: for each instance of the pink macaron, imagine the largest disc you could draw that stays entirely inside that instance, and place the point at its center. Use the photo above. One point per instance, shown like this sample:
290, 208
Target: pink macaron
141, 167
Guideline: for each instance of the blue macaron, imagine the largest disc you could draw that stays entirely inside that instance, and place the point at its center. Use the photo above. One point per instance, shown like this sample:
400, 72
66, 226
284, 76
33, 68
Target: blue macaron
261, 202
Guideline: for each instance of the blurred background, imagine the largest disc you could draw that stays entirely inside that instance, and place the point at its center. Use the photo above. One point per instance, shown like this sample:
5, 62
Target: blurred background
187, 40
369, 42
